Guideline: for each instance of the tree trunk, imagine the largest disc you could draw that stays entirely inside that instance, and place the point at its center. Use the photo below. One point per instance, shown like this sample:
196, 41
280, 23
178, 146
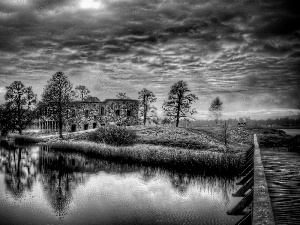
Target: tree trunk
60, 116
178, 110
19, 161
145, 114
145, 110
60, 121
60, 128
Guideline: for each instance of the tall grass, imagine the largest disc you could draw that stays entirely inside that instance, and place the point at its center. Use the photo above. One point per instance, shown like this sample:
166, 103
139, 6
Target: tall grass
117, 136
187, 160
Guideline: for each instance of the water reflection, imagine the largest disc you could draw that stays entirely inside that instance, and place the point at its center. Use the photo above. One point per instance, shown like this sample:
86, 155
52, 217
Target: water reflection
20, 170
55, 175
60, 174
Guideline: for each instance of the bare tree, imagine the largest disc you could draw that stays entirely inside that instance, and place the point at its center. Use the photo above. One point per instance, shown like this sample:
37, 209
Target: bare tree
179, 102
81, 92
122, 96
56, 95
216, 108
20, 101
225, 133
147, 110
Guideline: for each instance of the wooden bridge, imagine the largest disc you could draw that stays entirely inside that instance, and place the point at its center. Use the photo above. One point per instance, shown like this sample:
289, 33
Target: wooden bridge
255, 204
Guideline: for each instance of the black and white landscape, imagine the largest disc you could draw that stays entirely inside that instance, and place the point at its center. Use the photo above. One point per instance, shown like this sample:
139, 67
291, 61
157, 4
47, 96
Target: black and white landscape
146, 111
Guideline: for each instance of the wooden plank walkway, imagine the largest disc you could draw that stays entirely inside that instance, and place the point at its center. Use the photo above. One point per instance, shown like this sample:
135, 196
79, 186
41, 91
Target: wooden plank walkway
282, 170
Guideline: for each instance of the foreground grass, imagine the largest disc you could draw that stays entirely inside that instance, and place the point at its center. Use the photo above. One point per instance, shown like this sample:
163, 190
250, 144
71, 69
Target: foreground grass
170, 157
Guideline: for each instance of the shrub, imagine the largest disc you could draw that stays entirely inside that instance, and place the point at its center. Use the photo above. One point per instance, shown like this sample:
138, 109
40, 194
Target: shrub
117, 136
294, 144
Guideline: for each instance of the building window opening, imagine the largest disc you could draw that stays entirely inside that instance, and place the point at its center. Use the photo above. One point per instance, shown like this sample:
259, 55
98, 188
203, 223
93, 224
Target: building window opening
128, 112
118, 112
86, 127
73, 128
102, 111
73, 113
86, 113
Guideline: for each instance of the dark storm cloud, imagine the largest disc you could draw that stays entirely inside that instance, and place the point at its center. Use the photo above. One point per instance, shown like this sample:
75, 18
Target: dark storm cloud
243, 48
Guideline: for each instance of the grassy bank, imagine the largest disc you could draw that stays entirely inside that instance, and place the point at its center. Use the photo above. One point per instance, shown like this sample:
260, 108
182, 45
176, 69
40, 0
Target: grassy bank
24, 139
186, 138
169, 147
169, 157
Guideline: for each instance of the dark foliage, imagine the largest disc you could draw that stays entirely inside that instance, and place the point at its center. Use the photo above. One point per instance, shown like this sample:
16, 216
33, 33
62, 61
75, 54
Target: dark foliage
26, 140
294, 144
117, 136
272, 138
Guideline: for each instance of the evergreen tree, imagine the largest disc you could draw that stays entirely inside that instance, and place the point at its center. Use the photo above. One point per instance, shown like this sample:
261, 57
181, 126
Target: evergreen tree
216, 108
179, 102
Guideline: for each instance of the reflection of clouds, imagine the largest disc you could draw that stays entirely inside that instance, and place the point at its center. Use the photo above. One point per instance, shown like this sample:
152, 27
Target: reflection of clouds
73, 186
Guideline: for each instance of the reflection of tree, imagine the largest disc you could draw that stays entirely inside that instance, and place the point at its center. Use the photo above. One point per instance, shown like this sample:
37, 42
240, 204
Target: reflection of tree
55, 177
20, 170
148, 173
180, 182
61, 173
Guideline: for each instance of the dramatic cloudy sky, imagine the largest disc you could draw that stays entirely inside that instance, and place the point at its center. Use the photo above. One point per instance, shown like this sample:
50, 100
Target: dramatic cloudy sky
247, 52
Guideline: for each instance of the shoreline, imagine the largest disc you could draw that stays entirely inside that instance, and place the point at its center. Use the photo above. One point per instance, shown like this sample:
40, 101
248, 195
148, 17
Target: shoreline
211, 156
146, 154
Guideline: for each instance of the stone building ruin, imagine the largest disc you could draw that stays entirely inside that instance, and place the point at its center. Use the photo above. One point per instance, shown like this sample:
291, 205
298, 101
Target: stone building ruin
90, 114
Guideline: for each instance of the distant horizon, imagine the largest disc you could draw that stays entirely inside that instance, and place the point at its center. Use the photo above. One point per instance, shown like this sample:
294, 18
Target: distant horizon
203, 114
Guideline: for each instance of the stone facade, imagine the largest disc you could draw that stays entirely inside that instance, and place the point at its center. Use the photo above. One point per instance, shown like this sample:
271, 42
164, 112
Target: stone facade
84, 115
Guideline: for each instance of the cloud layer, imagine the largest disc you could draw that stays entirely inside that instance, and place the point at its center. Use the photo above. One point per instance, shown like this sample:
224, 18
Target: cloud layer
247, 52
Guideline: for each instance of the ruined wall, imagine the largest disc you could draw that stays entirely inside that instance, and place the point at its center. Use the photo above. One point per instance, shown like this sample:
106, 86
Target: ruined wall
82, 114
89, 115
111, 108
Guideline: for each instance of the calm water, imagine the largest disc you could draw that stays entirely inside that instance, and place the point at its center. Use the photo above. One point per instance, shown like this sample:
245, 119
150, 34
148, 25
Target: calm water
39, 186
292, 132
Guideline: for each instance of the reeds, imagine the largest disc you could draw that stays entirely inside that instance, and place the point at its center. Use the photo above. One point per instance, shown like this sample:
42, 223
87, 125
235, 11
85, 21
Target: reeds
168, 157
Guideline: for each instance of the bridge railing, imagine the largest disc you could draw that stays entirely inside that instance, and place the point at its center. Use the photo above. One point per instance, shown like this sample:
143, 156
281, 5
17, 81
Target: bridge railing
255, 205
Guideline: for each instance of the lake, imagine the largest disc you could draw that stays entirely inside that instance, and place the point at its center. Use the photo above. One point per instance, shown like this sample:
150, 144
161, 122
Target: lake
292, 132
41, 186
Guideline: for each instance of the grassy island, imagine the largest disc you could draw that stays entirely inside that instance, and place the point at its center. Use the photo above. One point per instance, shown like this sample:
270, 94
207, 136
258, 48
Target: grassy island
192, 149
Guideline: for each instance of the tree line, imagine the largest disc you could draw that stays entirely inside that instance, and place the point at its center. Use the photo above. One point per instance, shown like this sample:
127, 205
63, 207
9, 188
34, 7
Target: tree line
21, 106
